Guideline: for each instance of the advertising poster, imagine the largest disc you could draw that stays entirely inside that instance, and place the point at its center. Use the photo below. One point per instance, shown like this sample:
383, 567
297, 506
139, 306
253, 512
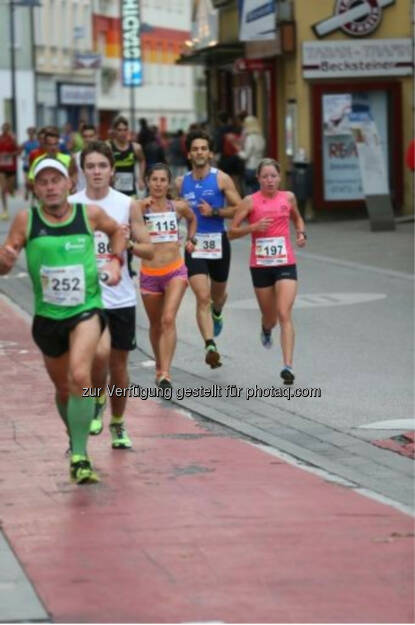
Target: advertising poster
342, 178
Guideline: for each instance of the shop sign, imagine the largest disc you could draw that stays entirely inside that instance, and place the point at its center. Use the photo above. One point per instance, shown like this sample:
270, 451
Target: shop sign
86, 60
257, 19
131, 43
356, 19
251, 65
76, 94
205, 27
340, 59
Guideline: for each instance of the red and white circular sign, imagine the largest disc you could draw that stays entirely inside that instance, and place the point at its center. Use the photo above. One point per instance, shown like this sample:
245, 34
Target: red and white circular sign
362, 26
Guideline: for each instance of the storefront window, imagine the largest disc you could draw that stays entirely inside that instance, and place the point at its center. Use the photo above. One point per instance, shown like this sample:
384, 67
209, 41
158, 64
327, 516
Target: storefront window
341, 172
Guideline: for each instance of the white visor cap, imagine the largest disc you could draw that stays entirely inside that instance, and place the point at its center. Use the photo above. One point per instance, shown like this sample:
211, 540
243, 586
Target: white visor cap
50, 163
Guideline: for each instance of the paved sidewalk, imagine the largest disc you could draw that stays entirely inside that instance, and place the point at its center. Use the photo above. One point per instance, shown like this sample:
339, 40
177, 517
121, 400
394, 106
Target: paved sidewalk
194, 525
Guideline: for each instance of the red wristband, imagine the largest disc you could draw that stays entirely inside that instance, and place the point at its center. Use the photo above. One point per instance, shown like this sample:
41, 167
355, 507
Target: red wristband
117, 257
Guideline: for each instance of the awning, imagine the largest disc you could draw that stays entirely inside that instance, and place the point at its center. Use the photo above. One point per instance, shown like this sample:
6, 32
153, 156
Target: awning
218, 54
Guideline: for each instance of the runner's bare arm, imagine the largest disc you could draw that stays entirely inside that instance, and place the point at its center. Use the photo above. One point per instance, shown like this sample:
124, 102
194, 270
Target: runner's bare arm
184, 210
138, 151
141, 244
297, 220
178, 185
15, 240
236, 230
227, 185
73, 174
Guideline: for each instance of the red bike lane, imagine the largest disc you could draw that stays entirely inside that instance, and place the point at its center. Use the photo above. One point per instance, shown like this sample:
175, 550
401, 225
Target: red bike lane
190, 526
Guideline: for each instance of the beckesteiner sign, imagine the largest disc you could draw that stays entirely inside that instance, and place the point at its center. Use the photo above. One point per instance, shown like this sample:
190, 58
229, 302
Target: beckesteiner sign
132, 75
374, 57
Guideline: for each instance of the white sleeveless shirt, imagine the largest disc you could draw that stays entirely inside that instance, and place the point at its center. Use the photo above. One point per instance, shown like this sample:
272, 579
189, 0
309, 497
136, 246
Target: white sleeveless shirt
116, 205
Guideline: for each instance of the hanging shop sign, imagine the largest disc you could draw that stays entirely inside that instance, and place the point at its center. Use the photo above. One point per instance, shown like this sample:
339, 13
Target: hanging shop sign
257, 19
251, 65
132, 75
355, 19
87, 60
71, 94
373, 57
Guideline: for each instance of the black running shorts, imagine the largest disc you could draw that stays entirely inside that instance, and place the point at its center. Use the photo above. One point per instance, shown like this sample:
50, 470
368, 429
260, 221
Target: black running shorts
217, 270
121, 323
268, 276
52, 335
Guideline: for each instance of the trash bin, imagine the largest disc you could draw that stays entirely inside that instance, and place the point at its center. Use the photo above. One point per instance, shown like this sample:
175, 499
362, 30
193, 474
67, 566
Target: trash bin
302, 183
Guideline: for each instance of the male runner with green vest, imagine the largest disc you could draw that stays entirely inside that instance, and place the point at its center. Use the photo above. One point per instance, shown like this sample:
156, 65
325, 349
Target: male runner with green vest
51, 145
68, 321
126, 156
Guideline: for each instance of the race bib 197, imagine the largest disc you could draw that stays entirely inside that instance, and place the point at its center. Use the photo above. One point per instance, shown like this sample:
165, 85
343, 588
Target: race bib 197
270, 251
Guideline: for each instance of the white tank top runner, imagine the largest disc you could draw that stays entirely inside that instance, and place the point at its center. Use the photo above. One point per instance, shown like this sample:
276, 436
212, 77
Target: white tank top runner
116, 205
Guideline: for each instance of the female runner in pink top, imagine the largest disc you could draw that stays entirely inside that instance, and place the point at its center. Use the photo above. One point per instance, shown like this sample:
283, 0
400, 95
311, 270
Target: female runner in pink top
272, 262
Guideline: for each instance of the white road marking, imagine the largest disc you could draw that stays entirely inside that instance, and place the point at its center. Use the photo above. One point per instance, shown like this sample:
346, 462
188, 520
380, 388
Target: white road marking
330, 477
353, 265
316, 300
391, 424
147, 363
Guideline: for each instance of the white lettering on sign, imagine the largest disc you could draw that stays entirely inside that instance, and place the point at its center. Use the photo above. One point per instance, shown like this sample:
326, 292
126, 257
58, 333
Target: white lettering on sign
337, 59
131, 43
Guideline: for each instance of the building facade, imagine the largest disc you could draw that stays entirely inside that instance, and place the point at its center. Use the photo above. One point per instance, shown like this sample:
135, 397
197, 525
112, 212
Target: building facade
65, 87
327, 63
24, 69
166, 96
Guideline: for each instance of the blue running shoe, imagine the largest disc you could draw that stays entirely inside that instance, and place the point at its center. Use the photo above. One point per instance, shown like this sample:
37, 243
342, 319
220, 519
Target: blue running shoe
266, 339
217, 322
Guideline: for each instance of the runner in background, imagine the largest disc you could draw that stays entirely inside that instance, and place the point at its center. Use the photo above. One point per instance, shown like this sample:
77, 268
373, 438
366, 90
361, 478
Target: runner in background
40, 150
272, 261
213, 198
26, 149
127, 155
89, 135
9, 151
163, 280
51, 147
119, 302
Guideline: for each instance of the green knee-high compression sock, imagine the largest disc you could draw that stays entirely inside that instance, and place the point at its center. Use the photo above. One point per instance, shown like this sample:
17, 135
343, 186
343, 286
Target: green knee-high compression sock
63, 411
80, 414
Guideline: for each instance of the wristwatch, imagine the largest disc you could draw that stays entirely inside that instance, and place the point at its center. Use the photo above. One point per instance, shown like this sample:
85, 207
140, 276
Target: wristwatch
193, 240
303, 233
215, 212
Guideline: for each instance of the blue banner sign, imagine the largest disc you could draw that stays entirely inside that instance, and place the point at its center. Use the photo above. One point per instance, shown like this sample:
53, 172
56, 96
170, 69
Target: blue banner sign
132, 74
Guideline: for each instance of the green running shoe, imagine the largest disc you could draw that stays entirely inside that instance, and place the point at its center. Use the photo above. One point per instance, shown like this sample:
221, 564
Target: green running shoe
81, 471
120, 438
212, 357
217, 322
97, 424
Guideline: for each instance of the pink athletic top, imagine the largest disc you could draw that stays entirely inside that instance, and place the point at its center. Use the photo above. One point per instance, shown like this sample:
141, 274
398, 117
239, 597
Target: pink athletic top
271, 247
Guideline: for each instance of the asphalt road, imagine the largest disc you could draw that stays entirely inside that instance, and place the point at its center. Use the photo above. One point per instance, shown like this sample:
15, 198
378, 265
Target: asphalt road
354, 341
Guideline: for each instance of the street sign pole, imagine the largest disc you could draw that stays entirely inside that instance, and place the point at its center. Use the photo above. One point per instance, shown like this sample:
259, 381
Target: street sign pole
132, 108
12, 68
